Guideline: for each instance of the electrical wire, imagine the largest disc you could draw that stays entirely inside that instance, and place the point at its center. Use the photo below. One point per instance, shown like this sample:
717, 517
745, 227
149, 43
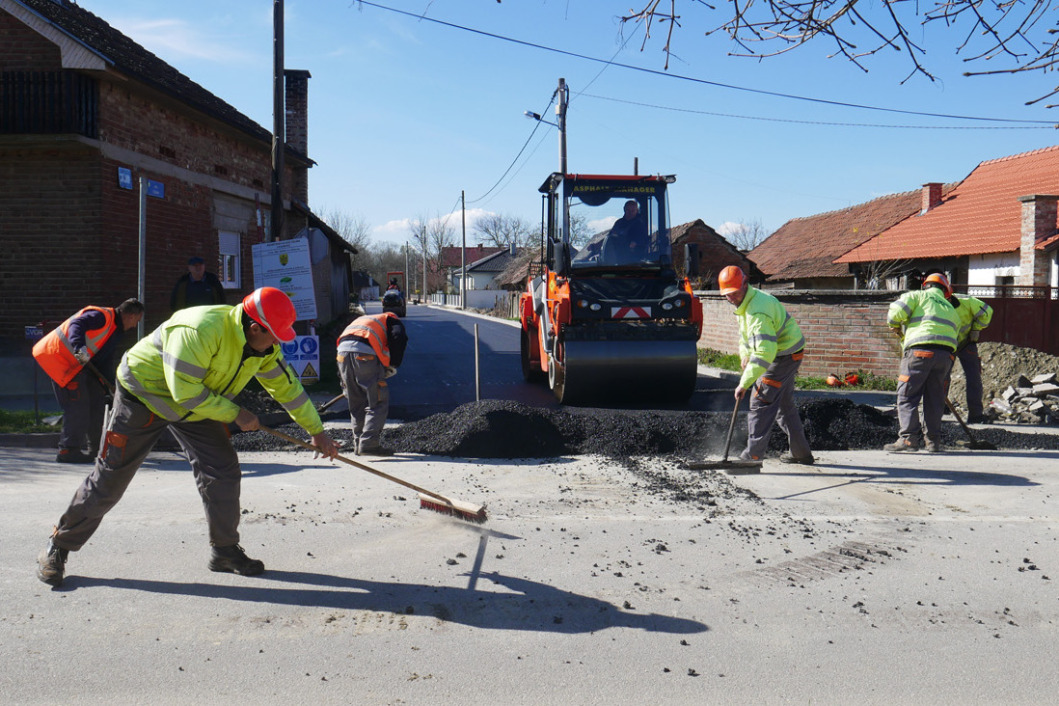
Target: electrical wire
706, 82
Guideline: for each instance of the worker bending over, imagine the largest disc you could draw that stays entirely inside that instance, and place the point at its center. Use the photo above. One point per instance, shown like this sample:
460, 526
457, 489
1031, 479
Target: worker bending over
370, 350
184, 377
927, 325
771, 348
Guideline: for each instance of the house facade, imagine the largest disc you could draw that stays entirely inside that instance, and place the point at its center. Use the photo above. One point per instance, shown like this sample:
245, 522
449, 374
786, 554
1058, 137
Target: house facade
87, 118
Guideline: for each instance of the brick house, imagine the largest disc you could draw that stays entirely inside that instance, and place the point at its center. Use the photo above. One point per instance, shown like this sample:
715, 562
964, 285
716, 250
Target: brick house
85, 113
802, 253
715, 253
996, 227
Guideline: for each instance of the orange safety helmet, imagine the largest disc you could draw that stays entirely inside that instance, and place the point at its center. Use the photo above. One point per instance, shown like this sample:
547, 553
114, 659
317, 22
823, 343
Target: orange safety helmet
272, 309
938, 280
731, 279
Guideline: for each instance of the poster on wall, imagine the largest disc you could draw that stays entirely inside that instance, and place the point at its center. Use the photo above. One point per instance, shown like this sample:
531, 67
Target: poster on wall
285, 265
303, 356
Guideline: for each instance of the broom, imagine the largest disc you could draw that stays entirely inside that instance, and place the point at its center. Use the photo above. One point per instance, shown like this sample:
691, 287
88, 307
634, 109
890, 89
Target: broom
428, 499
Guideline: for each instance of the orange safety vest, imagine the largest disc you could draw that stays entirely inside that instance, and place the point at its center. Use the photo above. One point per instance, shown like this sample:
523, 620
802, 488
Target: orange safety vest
55, 353
373, 330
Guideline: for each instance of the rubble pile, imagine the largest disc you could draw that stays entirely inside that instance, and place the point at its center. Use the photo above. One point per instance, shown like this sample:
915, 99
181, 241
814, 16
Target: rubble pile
1029, 401
1002, 366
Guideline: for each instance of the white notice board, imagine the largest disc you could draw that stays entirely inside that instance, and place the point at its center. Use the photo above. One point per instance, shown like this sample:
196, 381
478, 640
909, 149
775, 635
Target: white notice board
285, 265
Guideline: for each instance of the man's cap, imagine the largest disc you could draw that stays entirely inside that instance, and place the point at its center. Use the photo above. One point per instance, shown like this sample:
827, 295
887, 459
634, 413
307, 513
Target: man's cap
196, 260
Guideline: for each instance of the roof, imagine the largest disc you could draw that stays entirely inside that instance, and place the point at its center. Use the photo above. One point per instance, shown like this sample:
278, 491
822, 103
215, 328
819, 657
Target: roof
450, 255
128, 57
497, 262
981, 214
807, 247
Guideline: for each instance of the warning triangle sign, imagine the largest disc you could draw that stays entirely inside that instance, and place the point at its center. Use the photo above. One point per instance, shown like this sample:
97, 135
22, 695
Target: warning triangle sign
309, 374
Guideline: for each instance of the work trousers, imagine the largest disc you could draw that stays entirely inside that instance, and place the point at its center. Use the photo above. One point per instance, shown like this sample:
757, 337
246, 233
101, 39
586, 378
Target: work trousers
924, 376
972, 372
368, 396
82, 402
131, 434
772, 401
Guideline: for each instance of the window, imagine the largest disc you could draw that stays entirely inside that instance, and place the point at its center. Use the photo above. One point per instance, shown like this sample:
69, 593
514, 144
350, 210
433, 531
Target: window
230, 272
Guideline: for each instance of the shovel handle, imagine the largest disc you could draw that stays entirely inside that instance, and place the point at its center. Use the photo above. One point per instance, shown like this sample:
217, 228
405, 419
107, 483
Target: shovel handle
731, 428
362, 466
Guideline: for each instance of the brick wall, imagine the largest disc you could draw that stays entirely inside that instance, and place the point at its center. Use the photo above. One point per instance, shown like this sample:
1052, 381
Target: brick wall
843, 330
23, 50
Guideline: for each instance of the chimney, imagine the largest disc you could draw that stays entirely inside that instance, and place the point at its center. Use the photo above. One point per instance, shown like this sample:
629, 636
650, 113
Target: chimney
513, 250
1039, 214
931, 196
296, 99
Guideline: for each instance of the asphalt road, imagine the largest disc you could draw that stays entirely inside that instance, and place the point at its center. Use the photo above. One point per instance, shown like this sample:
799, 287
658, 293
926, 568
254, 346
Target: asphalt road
867, 579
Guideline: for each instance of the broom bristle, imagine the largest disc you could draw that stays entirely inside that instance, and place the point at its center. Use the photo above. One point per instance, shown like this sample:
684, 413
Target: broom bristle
464, 511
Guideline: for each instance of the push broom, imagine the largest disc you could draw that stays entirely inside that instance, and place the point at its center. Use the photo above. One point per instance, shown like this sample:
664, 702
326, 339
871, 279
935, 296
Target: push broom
428, 499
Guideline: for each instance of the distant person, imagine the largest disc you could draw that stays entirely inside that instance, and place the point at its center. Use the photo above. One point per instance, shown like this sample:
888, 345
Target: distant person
771, 348
196, 288
370, 350
927, 325
74, 355
974, 316
627, 240
183, 377
394, 285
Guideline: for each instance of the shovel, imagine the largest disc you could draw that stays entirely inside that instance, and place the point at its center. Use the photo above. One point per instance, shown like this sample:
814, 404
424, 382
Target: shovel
972, 442
734, 468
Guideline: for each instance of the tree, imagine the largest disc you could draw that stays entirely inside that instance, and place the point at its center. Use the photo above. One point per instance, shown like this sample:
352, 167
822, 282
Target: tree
439, 237
746, 235
1015, 35
501, 231
354, 230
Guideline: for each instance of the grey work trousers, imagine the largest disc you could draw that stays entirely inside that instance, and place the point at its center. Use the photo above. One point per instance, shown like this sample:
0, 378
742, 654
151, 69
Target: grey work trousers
131, 434
82, 402
924, 376
972, 372
772, 401
368, 396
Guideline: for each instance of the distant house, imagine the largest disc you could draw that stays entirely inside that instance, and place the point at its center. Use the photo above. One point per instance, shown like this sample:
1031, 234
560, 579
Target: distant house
453, 259
482, 274
714, 252
996, 227
86, 114
802, 253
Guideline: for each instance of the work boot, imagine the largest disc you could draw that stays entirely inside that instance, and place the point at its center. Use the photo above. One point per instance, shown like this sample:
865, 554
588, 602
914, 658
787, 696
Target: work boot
933, 447
234, 560
51, 564
73, 456
901, 446
803, 460
376, 450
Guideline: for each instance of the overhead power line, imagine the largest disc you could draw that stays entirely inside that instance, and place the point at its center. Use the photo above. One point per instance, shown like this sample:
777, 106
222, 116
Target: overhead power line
706, 82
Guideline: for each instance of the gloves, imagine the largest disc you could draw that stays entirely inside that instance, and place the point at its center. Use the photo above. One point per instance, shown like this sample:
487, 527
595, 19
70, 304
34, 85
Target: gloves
390, 372
897, 331
973, 336
82, 356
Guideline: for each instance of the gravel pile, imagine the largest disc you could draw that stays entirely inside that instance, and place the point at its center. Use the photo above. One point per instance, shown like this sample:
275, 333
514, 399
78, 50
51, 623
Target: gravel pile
1002, 364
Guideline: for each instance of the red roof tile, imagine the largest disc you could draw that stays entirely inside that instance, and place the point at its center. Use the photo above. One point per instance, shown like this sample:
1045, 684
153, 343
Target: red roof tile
981, 214
807, 247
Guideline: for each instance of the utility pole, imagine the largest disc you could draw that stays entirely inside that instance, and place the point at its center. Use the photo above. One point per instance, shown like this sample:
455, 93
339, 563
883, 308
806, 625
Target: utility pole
463, 253
560, 115
278, 130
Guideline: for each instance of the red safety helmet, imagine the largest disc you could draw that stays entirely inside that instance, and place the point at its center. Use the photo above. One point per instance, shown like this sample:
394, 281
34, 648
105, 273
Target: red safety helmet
731, 279
272, 309
939, 280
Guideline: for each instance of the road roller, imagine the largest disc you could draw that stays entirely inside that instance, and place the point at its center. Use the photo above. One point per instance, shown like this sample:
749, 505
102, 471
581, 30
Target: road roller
609, 320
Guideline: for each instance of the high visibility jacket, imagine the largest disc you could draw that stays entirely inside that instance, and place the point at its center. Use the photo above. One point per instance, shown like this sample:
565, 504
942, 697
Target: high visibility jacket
192, 366
973, 314
766, 331
55, 352
927, 317
372, 329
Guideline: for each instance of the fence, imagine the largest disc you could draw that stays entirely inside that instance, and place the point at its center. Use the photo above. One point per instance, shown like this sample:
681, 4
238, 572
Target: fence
1022, 316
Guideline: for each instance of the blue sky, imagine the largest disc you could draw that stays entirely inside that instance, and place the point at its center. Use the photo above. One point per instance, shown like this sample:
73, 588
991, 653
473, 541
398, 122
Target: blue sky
405, 112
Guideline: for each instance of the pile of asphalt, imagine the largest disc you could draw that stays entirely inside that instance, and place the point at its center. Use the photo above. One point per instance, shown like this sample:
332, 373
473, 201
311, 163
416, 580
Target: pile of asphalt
504, 429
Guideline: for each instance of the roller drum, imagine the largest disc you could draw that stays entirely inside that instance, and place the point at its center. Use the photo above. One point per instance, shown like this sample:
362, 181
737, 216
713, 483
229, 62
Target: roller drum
628, 371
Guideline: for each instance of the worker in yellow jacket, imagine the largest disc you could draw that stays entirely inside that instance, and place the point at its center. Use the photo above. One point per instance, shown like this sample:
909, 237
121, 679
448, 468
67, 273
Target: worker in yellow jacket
771, 348
183, 377
927, 324
974, 316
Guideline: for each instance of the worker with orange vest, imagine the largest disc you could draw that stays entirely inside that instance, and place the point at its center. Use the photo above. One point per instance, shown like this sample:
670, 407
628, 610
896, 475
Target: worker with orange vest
88, 339
184, 377
771, 348
370, 350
